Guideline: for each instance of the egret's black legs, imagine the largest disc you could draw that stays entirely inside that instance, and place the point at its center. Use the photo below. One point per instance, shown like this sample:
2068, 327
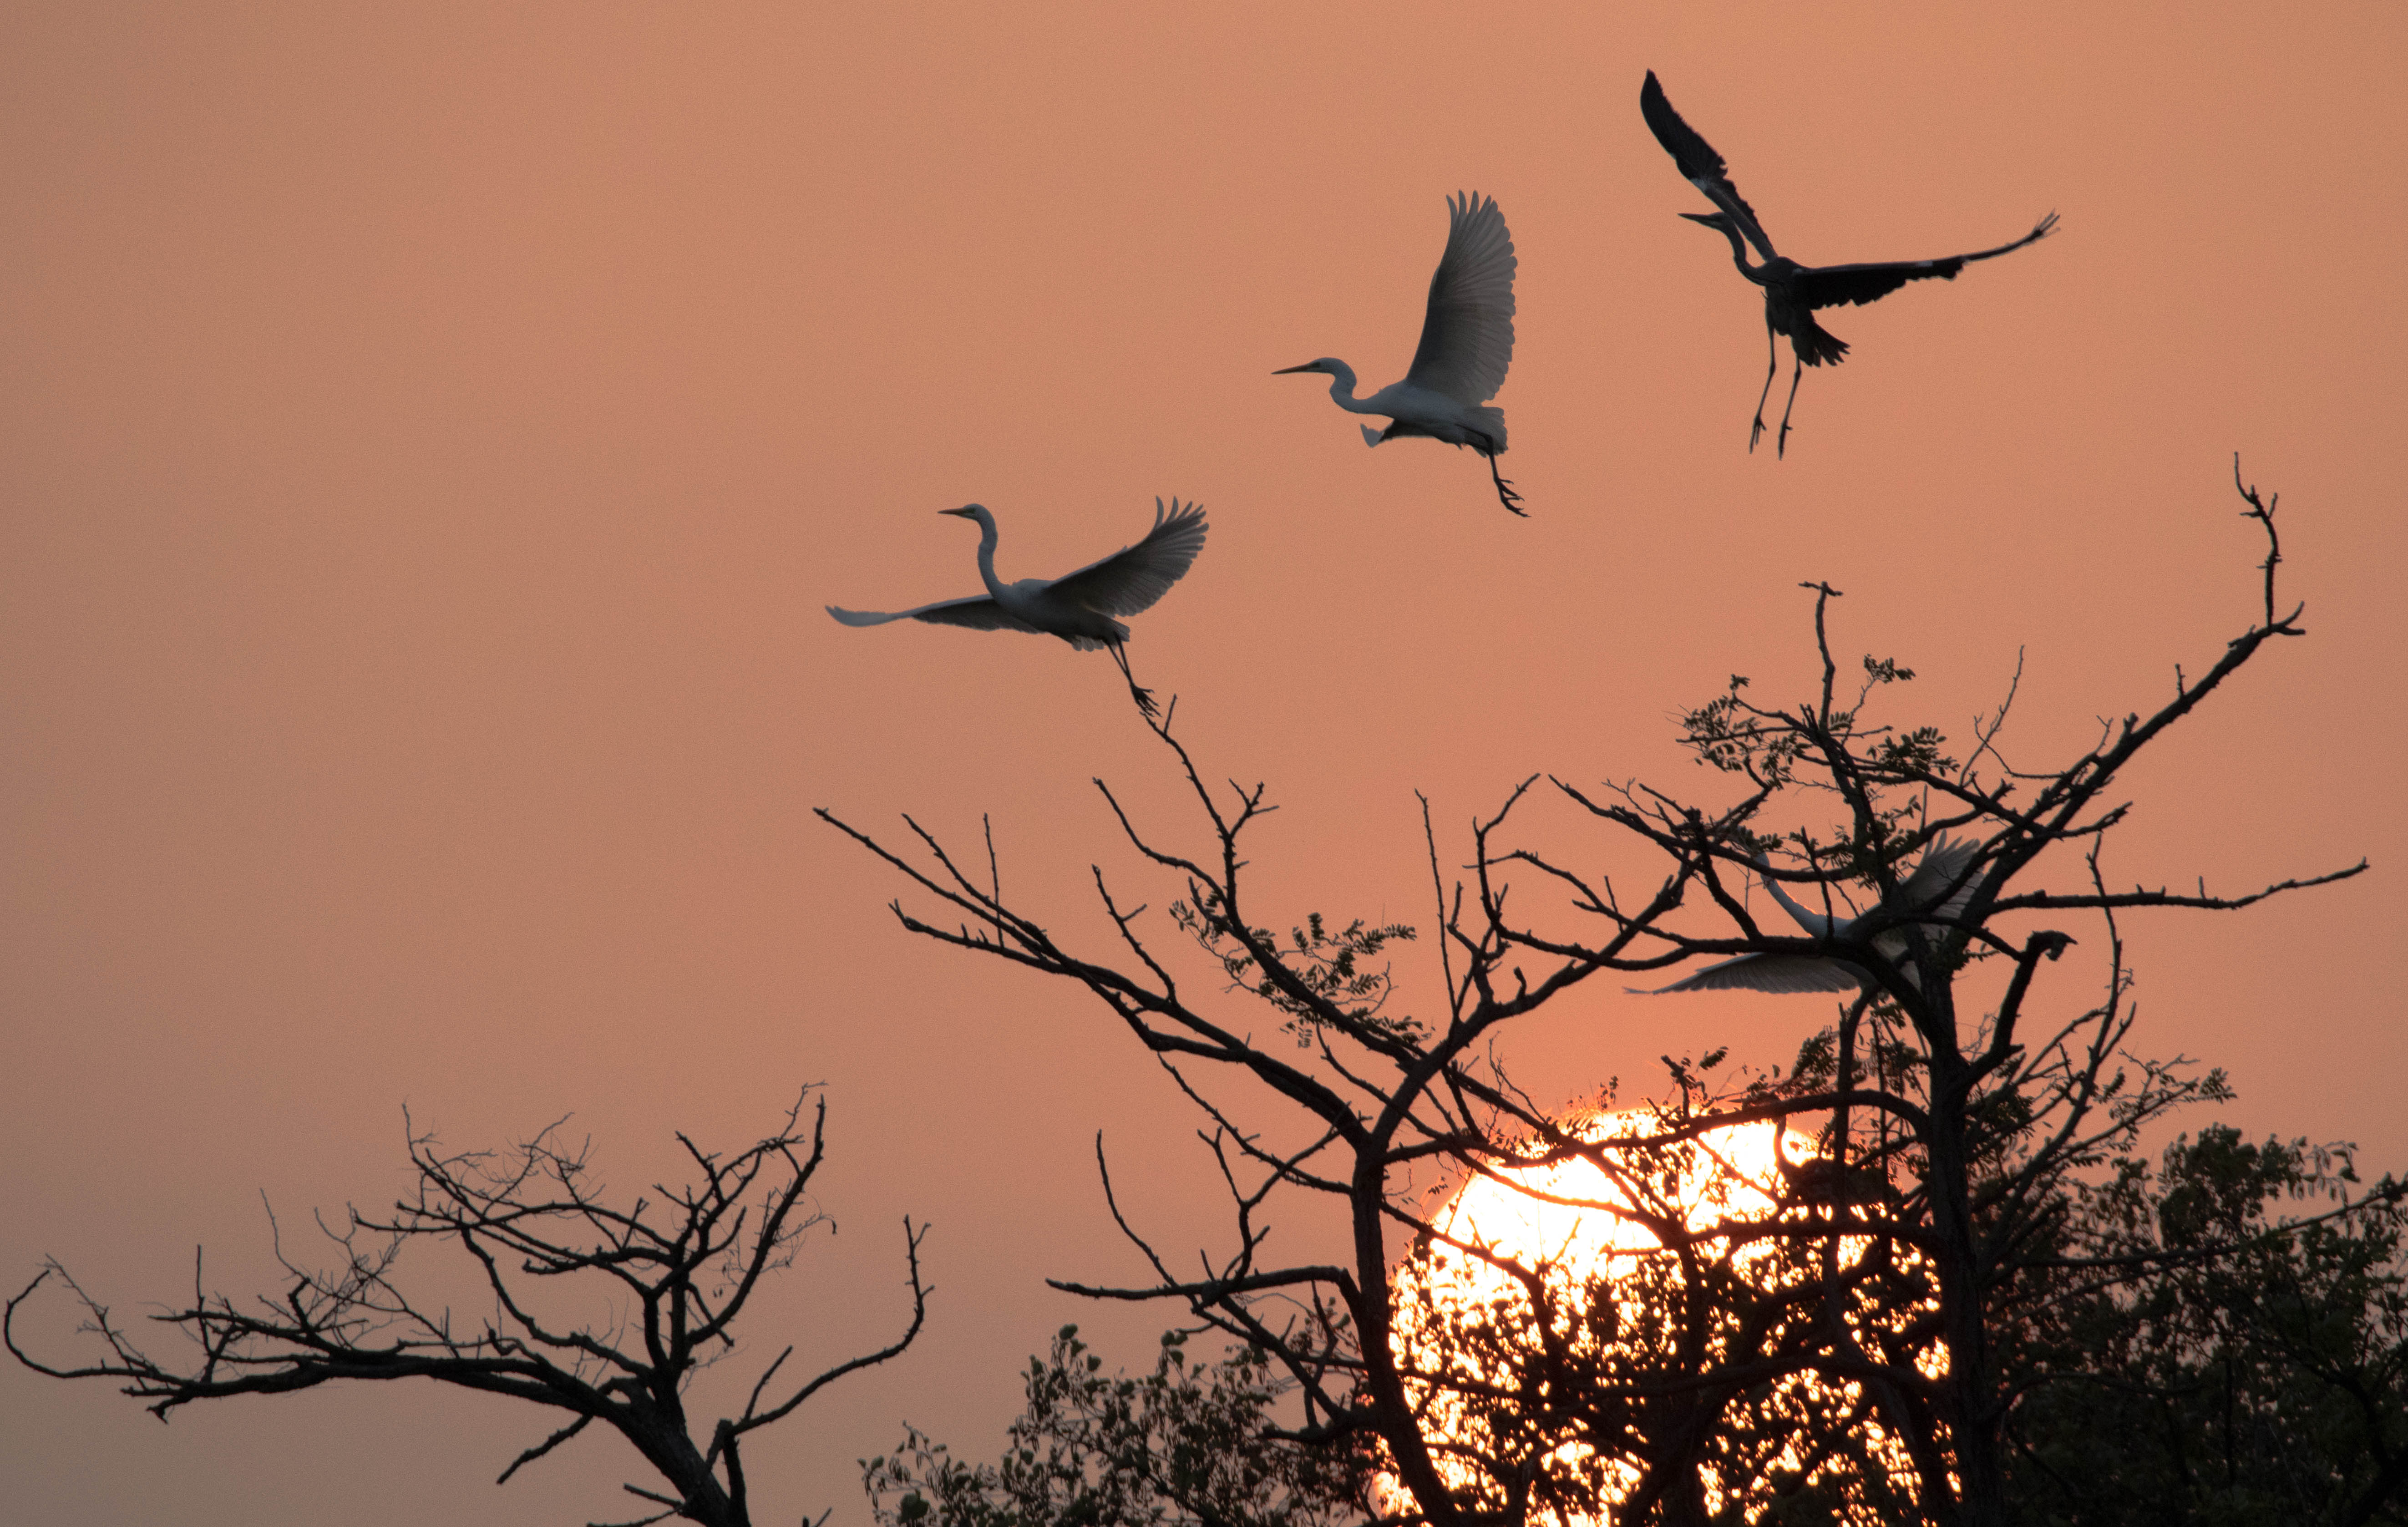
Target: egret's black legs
1771, 366
1505, 494
1780, 446
1144, 698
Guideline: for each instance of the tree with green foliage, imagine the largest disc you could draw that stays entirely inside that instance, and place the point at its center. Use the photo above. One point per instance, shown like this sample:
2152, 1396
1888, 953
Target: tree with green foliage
2196, 1355
1192, 1444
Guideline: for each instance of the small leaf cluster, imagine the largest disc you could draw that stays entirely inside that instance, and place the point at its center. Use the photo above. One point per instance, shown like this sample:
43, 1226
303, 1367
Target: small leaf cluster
1334, 967
1191, 1444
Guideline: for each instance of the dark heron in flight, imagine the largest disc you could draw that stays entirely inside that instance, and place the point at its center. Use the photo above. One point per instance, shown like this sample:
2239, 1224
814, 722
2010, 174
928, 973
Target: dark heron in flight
1791, 292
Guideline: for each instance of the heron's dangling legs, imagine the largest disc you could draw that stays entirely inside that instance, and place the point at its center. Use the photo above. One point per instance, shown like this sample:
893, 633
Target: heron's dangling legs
1771, 365
1780, 446
1144, 698
1505, 494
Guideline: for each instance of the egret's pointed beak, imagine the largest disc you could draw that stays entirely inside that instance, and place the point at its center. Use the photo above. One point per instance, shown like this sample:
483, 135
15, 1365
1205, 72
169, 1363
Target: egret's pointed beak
1287, 370
963, 512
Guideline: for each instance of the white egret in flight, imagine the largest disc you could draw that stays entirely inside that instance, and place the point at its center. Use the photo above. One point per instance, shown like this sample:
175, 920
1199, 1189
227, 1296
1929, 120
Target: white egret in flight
1467, 344
1077, 607
1933, 889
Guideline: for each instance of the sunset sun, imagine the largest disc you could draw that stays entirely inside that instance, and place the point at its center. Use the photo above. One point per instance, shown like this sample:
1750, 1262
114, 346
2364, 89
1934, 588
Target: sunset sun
1586, 1265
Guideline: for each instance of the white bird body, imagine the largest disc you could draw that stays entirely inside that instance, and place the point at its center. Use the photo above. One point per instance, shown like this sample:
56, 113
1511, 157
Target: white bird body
1933, 889
1466, 347
1417, 410
1031, 604
1077, 607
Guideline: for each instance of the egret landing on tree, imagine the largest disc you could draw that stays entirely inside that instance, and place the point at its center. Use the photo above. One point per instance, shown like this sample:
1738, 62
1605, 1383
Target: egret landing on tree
1467, 344
1078, 608
1939, 889
1791, 292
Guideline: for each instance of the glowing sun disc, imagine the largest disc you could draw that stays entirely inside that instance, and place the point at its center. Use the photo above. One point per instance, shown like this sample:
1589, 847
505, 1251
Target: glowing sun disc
1582, 1227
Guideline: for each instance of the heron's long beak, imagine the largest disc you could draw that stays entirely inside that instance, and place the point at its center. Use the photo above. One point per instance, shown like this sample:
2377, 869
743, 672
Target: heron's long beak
963, 512
1309, 366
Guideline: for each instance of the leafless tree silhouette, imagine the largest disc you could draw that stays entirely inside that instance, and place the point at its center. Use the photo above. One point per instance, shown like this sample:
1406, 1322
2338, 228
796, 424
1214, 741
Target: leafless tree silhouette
679, 1267
1948, 1118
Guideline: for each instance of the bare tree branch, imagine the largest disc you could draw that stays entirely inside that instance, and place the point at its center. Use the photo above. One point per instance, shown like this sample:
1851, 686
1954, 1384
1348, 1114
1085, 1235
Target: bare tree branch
691, 1257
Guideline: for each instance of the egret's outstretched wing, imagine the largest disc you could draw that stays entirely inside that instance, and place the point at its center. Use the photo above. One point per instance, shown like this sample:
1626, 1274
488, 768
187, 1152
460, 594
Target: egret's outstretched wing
1769, 972
1943, 864
978, 612
1697, 162
1830, 286
1467, 334
1816, 924
1132, 578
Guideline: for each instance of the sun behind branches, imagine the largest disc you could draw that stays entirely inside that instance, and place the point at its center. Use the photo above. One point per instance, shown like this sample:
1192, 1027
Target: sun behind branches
1542, 1288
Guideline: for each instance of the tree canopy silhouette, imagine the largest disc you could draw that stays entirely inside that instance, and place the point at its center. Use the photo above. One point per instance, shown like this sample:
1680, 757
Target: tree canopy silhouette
1953, 1104
535, 1224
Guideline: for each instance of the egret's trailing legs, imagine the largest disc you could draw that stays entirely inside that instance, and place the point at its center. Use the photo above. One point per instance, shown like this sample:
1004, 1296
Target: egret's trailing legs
1505, 494
1143, 697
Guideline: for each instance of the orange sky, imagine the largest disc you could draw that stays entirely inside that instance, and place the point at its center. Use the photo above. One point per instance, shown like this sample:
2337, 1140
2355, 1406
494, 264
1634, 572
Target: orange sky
427, 438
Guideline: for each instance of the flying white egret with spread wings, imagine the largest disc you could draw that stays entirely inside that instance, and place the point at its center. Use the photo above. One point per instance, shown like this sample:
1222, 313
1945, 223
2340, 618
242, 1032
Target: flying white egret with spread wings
1078, 606
1467, 344
1940, 888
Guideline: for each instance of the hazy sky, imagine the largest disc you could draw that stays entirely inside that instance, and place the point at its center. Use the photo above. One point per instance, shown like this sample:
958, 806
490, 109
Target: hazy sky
428, 437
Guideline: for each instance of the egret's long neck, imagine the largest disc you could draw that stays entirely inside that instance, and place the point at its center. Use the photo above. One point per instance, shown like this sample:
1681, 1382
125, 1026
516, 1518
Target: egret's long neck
987, 538
1342, 389
1813, 922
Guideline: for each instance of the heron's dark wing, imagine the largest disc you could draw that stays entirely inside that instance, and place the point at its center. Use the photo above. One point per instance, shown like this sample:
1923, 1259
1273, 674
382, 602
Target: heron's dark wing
1467, 334
1697, 162
1769, 972
1132, 578
1830, 286
979, 613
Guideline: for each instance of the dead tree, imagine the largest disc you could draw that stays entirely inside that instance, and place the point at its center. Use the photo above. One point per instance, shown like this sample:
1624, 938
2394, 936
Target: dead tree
681, 1266
1949, 1118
